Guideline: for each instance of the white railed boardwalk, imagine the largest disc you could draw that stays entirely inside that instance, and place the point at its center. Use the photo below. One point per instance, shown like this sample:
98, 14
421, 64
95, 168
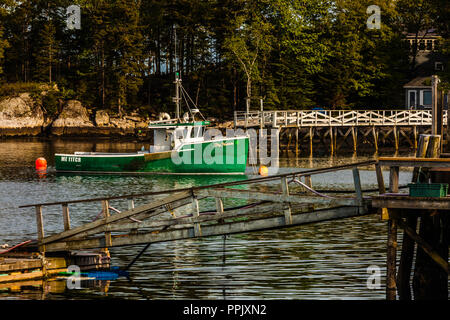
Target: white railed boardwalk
334, 118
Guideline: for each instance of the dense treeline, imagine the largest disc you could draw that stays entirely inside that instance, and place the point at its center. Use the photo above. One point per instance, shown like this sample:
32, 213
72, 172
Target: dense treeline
292, 53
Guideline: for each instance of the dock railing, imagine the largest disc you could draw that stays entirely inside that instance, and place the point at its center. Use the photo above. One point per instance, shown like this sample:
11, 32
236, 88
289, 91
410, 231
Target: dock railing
134, 218
334, 118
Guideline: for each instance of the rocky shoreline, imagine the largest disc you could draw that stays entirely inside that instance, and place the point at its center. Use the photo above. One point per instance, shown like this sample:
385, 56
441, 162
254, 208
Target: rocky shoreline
23, 116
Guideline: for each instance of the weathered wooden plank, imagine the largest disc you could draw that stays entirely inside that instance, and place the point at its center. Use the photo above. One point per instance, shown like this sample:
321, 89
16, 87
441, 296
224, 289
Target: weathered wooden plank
39, 223
196, 214
380, 179
391, 260
411, 203
287, 206
357, 184
106, 215
211, 230
415, 162
276, 197
393, 179
66, 216
119, 216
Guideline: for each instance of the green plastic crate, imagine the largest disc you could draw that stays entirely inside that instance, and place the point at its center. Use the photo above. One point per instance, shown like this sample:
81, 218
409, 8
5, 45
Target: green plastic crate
428, 189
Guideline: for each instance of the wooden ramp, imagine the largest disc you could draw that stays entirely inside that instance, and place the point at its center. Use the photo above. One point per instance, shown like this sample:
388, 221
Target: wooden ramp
277, 208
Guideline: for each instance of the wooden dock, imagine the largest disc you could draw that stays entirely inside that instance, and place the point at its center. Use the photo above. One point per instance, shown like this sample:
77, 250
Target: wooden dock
273, 202
263, 210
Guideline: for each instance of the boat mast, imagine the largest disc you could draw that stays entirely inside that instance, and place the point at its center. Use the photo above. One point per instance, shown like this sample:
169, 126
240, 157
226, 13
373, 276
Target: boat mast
177, 82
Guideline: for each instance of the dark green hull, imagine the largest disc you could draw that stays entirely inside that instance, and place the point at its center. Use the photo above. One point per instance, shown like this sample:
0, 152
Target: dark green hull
217, 157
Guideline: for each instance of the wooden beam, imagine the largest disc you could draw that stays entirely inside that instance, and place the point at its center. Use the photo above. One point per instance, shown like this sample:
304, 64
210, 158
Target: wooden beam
425, 246
106, 215
117, 217
271, 196
66, 216
393, 179
358, 189
391, 257
405, 202
380, 179
210, 230
196, 214
40, 227
287, 209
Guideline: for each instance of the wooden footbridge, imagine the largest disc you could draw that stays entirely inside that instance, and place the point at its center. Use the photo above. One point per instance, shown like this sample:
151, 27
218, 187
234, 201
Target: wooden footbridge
334, 128
291, 202
273, 202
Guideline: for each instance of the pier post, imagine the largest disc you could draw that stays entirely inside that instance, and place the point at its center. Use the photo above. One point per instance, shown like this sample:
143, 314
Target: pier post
391, 267
331, 141
296, 141
355, 138
394, 130
66, 216
407, 253
358, 189
40, 227
287, 206
375, 138
311, 134
391, 286
415, 137
106, 214
196, 214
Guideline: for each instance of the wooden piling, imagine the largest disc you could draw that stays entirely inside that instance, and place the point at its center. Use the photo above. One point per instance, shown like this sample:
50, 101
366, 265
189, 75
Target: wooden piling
355, 138
106, 214
287, 207
391, 285
196, 214
391, 256
331, 141
375, 138
357, 183
408, 245
66, 216
395, 131
40, 227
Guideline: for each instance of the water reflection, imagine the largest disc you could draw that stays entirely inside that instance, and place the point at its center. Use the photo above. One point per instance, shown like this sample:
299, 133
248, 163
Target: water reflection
318, 261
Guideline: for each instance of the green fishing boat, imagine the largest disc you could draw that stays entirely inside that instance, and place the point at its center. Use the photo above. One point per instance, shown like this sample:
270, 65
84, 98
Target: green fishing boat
180, 146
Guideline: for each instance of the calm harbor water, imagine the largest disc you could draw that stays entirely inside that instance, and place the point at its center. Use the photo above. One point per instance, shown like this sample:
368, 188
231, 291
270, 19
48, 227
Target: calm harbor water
328, 260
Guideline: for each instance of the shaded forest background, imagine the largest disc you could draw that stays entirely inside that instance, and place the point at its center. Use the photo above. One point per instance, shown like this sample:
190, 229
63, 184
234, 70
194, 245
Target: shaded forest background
295, 54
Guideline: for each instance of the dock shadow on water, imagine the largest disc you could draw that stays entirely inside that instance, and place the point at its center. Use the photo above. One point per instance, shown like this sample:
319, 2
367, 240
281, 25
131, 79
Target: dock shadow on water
328, 260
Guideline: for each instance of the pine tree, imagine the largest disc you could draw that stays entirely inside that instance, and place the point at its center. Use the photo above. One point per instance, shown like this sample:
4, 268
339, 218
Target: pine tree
46, 57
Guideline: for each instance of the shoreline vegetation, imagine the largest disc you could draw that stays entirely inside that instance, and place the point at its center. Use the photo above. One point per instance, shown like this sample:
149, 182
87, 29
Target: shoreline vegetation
115, 69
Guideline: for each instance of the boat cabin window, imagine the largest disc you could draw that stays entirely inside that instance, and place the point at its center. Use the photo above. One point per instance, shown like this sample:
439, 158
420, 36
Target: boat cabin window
197, 132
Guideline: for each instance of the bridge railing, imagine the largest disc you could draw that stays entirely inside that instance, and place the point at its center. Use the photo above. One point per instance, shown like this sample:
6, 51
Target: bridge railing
335, 118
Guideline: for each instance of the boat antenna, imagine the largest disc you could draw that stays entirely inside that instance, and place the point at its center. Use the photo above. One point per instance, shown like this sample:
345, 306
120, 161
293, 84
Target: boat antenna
177, 82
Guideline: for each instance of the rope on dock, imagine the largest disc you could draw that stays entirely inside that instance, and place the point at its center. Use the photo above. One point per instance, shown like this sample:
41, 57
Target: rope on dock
295, 180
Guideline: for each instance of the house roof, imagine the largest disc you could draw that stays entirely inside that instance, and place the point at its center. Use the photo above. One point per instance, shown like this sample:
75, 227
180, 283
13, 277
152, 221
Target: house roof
430, 33
419, 82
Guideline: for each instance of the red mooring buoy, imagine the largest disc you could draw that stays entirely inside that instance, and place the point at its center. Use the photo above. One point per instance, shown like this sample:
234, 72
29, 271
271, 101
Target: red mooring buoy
41, 164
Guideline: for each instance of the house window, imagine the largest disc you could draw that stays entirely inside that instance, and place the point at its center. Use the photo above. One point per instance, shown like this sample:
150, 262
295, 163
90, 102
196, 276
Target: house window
426, 97
438, 66
411, 99
429, 45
